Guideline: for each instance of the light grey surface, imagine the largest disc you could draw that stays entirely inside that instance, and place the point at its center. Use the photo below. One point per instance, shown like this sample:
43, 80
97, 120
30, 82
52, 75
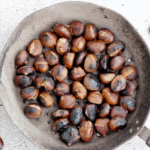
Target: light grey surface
12, 12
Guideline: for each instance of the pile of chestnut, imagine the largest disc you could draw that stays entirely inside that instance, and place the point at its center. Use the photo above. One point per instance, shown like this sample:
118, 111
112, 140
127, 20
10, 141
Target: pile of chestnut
93, 61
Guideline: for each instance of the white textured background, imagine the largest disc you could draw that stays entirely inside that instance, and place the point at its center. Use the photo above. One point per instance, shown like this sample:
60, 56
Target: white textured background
12, 12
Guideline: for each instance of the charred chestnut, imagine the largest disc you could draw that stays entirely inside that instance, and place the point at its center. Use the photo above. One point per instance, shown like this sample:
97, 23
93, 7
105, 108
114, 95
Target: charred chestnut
91, 111
104, 62
60, 113
68, 60
104, 110
106, 78
80, 57
118, 111
26, 70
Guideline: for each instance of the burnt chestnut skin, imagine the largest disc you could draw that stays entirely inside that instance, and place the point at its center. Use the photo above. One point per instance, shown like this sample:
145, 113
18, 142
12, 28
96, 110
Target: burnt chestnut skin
91, 111
26, 70
68, 60
104, 62
104, 110
118, 111
60, 113
80, 58
1, 143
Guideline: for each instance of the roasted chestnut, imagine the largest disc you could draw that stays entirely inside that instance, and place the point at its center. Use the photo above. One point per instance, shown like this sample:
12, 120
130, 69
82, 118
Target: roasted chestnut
106, 35
77, 73
68, 60
70, 136
91, 82
118, 111
79, 90
41, 65
102, 126
117, 63
90, 31
59, 73
104, 110
62, 46
22, 81
115, 48
67, 101
76, 28
49, 39
78, 44
90, 63
30, 93
62, 89
60, 124
95, 98
106, 78
22, 59
104, 62
46, 82
128, 103
45, 99
111, 97
91, 111
60, 113
117, 123
80, 57
76, 116
1, 144
129, 72
26, 70
33, 110
51, 57
86, 130
96, 46
62, 30
35, 48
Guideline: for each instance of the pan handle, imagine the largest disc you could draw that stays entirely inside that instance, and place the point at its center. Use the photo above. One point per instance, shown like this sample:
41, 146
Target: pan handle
145, 135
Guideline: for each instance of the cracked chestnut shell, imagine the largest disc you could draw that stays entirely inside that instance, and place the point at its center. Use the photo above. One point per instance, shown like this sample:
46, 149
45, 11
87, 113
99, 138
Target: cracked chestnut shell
1, 144
80, 57
118, 111
26, 70
106, 78
60, 113
68, 60
90, 111
104, 62
104, 110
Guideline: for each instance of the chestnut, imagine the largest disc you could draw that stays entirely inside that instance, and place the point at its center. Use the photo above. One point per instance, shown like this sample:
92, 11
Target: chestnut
102, 126
96, 46
26, 70
106, 35
49, 39
70, 136
30, 93
117, 63
95, 98
76, 116
22, 59
80, 58
51, 57
60, 124
77, 28
104, 62
41, 65
119, 83
68, 60
59, 73
129, 89
78, 44
129, 72
46, 82
91, 82
1, 144
62, 89
77, 73
67, 101
35, 48
90, 31
60, 113
91, 111
118, 111
115, 48
128, 103
22, 81
117, 123
45, 99
33, 110
106, 78
79, 90
86, 130
62, 46
111, 97
90, 63
62, 31
104, 110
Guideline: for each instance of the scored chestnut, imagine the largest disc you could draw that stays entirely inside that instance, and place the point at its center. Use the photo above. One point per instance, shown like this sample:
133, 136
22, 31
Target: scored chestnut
33, 110
68, 60
79, 90
60, 113
26, 70
49, 39
45, 99
91, 111
22, 59
62, 30
90, 63
118, 111
30, 93
104, 110
104, 62
1, 144
106, 78
80, 57
35, 48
